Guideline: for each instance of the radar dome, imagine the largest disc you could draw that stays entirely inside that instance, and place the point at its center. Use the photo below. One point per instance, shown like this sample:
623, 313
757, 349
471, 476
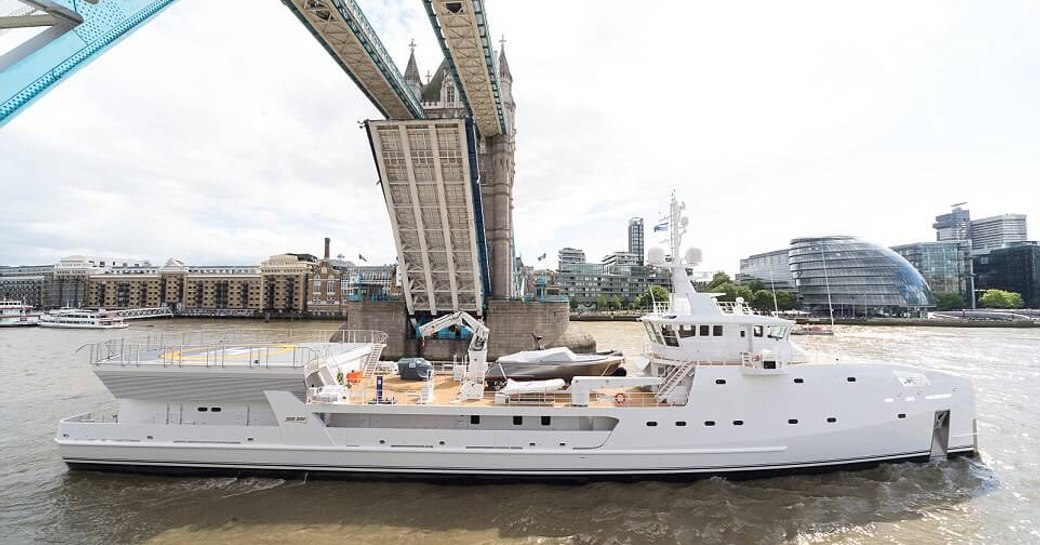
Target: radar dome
655, 256
693, 256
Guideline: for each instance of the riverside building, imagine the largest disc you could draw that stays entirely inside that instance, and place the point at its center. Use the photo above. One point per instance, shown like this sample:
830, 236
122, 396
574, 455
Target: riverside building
857, 279
1013, 268
997, 232
945, 266
772, 269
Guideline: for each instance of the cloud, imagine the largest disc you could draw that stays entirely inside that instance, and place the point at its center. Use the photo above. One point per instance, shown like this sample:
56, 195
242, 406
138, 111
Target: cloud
217, 137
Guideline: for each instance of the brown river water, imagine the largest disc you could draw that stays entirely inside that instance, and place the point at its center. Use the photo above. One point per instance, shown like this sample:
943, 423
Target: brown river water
995, 499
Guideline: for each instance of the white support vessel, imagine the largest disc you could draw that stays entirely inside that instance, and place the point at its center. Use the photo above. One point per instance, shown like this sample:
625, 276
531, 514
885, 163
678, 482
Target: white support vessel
77, 318
17, 313
726, 392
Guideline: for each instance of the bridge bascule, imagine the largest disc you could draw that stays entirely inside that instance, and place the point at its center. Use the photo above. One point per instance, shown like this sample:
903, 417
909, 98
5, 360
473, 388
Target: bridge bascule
446, 178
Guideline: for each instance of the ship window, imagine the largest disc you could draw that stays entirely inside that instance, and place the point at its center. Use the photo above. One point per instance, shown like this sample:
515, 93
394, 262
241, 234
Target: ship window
799, 380
669, 335
738, 422
203, 409
518, 421
215, 409
850, 379
709, 423
474, 419
831, 420
743, 333
651, 423
681, 423
901, 415
705, 331
546, 420
716, 330
777, 331
792, 420
757, 331
720, 381
686, 331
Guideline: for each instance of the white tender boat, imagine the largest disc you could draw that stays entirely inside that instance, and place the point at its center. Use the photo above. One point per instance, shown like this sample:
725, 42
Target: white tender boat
77, 318
550, 363
16, 313
726, 392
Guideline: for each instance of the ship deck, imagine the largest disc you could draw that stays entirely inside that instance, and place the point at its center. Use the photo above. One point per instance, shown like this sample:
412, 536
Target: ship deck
446, 391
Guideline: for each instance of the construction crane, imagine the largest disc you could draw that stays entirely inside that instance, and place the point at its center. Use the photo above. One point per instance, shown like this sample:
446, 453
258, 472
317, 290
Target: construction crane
473, 380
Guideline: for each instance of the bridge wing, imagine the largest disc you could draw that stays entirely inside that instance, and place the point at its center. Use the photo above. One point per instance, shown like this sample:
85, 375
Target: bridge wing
428, 174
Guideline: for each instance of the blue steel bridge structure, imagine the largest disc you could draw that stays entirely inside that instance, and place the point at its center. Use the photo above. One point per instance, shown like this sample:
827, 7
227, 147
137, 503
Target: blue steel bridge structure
427, 164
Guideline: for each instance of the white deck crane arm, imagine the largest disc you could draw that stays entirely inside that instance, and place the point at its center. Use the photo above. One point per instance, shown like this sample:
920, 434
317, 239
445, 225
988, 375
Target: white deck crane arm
473, 383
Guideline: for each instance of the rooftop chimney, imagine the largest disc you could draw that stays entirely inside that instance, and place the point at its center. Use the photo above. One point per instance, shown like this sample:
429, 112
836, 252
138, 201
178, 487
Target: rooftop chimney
327, 241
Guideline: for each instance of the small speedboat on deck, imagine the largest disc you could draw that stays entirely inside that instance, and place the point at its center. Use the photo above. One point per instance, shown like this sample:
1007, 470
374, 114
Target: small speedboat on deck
551, 363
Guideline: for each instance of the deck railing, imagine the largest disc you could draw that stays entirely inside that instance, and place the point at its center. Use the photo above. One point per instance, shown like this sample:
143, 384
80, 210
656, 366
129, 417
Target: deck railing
230, 348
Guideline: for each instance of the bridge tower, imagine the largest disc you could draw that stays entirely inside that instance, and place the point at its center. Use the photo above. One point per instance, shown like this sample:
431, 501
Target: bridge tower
441, 99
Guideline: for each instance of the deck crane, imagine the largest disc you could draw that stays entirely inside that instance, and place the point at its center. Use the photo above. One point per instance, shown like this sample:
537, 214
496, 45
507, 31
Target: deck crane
473, 380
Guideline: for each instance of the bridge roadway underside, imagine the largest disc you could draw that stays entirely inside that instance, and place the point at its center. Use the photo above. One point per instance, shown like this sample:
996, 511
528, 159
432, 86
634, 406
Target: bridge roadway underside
511, 324
427, 172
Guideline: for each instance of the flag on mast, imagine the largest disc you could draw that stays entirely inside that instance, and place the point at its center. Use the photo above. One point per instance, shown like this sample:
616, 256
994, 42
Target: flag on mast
362, 258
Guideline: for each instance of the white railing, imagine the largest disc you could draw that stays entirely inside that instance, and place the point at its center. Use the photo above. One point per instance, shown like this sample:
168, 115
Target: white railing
237, 348
734, 307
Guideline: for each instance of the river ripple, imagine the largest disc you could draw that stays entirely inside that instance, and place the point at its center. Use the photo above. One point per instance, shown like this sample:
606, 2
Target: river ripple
993, 500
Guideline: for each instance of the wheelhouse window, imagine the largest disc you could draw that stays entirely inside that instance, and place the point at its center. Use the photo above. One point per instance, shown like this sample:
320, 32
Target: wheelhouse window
687, 331
668, 332
757, 331
716, 330
777, 331
705, 331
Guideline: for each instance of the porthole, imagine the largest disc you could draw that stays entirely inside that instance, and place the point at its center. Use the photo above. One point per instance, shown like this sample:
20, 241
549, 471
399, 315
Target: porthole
799, 380
546, 420
215, 409
518, 421
850, 379
474, 419
831, 420
203, 409
531, 444
901, 415
792, 421
681, 423
720, 381
738, 422
651, 423
562, 444
709, 423
441, 443
382, 441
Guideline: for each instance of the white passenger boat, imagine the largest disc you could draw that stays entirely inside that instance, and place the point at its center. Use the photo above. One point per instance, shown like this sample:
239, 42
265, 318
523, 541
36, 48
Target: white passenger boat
726, 392
16, 313
77, 318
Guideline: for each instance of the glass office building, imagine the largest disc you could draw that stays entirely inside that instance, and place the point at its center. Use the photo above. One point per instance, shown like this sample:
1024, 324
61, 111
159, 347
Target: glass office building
946, 266
857, 279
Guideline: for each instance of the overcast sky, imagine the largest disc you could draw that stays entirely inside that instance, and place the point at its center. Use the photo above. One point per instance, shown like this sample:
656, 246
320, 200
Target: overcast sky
221, 132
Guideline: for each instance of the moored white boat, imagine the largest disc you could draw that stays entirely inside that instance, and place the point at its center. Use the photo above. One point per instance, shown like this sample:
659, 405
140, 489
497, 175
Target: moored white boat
727, 392
76, 318
16, 313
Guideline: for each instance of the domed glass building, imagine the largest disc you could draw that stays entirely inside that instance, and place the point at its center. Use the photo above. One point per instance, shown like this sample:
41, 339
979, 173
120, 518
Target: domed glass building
857, 278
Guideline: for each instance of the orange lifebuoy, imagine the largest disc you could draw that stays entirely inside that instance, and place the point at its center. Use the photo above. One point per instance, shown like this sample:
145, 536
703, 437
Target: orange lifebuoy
620, 398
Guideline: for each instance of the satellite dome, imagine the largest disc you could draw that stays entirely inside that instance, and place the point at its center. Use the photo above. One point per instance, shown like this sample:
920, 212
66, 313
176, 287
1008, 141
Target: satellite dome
655, 256
693, 256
